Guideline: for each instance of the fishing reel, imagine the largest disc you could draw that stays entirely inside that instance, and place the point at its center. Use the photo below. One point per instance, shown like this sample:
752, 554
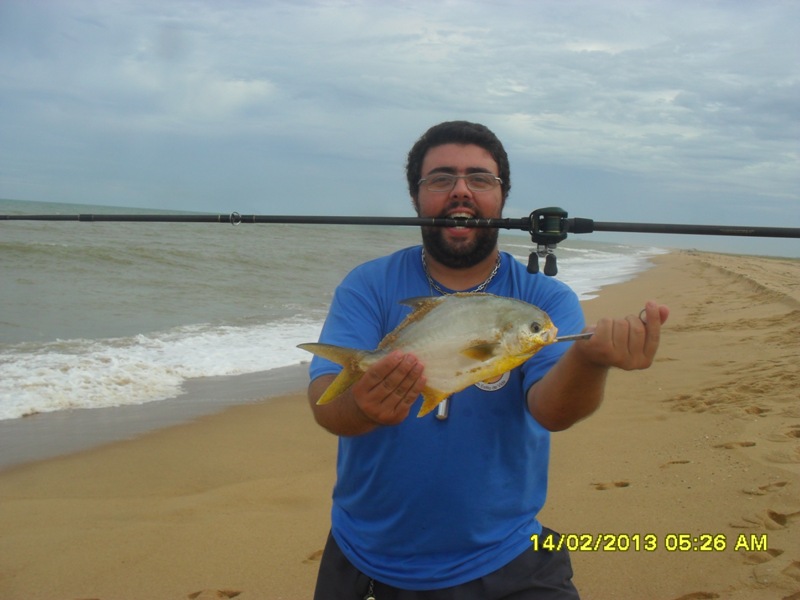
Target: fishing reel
548, 227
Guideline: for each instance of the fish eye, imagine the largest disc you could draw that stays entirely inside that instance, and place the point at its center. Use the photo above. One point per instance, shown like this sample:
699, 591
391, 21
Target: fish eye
536, 327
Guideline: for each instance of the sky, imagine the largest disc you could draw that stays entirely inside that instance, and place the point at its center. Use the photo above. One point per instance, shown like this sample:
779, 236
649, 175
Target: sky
670, 111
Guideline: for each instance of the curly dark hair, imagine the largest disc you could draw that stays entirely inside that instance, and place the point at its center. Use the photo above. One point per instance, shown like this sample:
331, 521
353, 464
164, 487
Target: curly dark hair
456, 132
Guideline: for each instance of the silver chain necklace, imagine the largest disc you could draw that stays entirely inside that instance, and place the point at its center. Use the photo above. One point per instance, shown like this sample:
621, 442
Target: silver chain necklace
480, 288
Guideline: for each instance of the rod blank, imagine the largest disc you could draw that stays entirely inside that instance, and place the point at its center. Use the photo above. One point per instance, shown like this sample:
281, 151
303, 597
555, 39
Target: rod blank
571, 225
732, 230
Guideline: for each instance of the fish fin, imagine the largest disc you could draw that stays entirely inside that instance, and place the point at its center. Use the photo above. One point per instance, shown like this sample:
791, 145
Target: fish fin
431, 399
337, 354
481, 352
421, 306
346, 357
421, 301
343, 381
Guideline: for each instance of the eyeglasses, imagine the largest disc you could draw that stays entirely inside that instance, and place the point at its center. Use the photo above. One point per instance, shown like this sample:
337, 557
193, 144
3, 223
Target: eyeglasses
444, 182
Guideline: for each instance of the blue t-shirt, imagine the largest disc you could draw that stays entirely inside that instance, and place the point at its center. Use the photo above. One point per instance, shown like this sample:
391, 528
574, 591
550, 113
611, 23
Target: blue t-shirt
432, 503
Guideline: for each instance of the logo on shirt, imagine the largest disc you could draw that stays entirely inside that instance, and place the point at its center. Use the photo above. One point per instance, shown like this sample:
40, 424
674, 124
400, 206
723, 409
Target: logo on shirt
494, 384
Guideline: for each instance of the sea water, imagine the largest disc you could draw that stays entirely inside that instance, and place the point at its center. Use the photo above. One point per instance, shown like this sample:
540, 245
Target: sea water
107, 314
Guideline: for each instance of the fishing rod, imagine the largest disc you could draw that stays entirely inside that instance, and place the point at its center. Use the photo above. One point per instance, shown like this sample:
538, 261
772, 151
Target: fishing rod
546, 226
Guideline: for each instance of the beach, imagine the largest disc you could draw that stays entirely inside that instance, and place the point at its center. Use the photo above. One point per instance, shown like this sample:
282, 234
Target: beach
684, 485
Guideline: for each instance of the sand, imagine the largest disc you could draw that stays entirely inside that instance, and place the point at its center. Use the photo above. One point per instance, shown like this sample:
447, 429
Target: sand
698, 456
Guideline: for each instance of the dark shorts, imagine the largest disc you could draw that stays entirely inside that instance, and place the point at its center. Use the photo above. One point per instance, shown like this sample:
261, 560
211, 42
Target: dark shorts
533, 575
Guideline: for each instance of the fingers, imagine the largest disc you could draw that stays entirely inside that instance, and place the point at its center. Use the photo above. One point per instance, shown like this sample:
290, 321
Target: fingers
629, 343
388, 389
652, 327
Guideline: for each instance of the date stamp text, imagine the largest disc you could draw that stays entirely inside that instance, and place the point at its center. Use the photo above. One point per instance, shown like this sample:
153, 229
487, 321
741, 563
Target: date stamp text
649, 542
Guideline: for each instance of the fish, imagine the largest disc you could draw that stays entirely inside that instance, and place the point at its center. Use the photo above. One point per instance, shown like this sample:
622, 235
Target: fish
461, 339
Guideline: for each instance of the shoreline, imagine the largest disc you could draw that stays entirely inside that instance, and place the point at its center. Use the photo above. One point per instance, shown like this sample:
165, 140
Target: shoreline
42, 436
59, 433
706, 442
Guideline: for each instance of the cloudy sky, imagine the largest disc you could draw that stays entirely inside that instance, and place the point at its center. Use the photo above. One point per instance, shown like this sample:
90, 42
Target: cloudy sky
669, 111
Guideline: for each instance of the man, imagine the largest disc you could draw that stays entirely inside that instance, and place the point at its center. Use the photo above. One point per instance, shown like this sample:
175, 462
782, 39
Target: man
432, 508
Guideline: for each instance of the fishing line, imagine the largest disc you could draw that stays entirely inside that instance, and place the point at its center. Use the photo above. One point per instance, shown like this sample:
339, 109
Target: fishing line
546, 226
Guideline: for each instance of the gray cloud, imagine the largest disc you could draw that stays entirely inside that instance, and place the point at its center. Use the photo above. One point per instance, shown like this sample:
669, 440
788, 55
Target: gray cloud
641, 109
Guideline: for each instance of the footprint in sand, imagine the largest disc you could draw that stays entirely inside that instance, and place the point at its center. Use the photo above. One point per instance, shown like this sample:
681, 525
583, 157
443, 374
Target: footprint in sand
315, 556
608, 486
787, 570
693, 403
732, 445
793, 570
782, 519
675, 462
770, 519
782, 570
784, 458
759, 558
766, 488
784, 435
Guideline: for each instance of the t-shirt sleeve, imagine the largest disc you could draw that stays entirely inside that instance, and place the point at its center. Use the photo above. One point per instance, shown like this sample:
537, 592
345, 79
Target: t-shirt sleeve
353, 321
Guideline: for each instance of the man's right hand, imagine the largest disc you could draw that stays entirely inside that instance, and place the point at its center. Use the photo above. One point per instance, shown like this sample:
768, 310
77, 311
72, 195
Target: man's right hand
382, 396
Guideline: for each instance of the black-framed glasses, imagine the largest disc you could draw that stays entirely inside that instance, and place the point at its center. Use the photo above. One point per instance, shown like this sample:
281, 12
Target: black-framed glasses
444, 182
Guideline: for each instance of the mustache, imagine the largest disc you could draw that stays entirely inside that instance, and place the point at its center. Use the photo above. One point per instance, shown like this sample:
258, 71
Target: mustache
460, 204
453, 206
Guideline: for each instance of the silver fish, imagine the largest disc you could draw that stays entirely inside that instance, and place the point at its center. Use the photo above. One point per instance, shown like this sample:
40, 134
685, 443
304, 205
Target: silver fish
461, 339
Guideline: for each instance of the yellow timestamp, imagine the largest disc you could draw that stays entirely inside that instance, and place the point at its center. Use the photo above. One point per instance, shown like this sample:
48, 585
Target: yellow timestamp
648, 542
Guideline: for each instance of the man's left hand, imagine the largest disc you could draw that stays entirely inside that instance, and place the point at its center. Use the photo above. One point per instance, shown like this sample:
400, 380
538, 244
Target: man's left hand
629, 343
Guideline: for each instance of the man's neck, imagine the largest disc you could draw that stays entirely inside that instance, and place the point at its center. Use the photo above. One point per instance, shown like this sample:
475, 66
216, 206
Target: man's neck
462, 279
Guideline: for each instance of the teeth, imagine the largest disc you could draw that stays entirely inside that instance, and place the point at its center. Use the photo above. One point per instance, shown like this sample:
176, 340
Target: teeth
460, 216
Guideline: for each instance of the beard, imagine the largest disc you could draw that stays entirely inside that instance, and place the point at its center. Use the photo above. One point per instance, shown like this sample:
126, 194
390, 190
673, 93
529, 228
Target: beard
462, 254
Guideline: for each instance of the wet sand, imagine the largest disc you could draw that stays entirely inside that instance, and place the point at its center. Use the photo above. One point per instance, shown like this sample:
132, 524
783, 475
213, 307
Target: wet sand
692, 458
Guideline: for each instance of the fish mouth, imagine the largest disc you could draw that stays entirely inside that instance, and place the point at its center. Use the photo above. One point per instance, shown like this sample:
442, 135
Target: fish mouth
543, 337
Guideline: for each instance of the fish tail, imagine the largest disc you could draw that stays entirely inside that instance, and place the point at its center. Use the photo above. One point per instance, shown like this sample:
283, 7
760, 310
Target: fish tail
431, 398
340, 385
346, 357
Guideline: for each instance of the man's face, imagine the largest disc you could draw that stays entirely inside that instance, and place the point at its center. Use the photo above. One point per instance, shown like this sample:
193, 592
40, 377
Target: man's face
459, 247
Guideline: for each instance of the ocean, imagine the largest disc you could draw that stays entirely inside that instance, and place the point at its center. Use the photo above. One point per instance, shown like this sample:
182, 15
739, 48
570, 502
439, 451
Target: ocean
96, 315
